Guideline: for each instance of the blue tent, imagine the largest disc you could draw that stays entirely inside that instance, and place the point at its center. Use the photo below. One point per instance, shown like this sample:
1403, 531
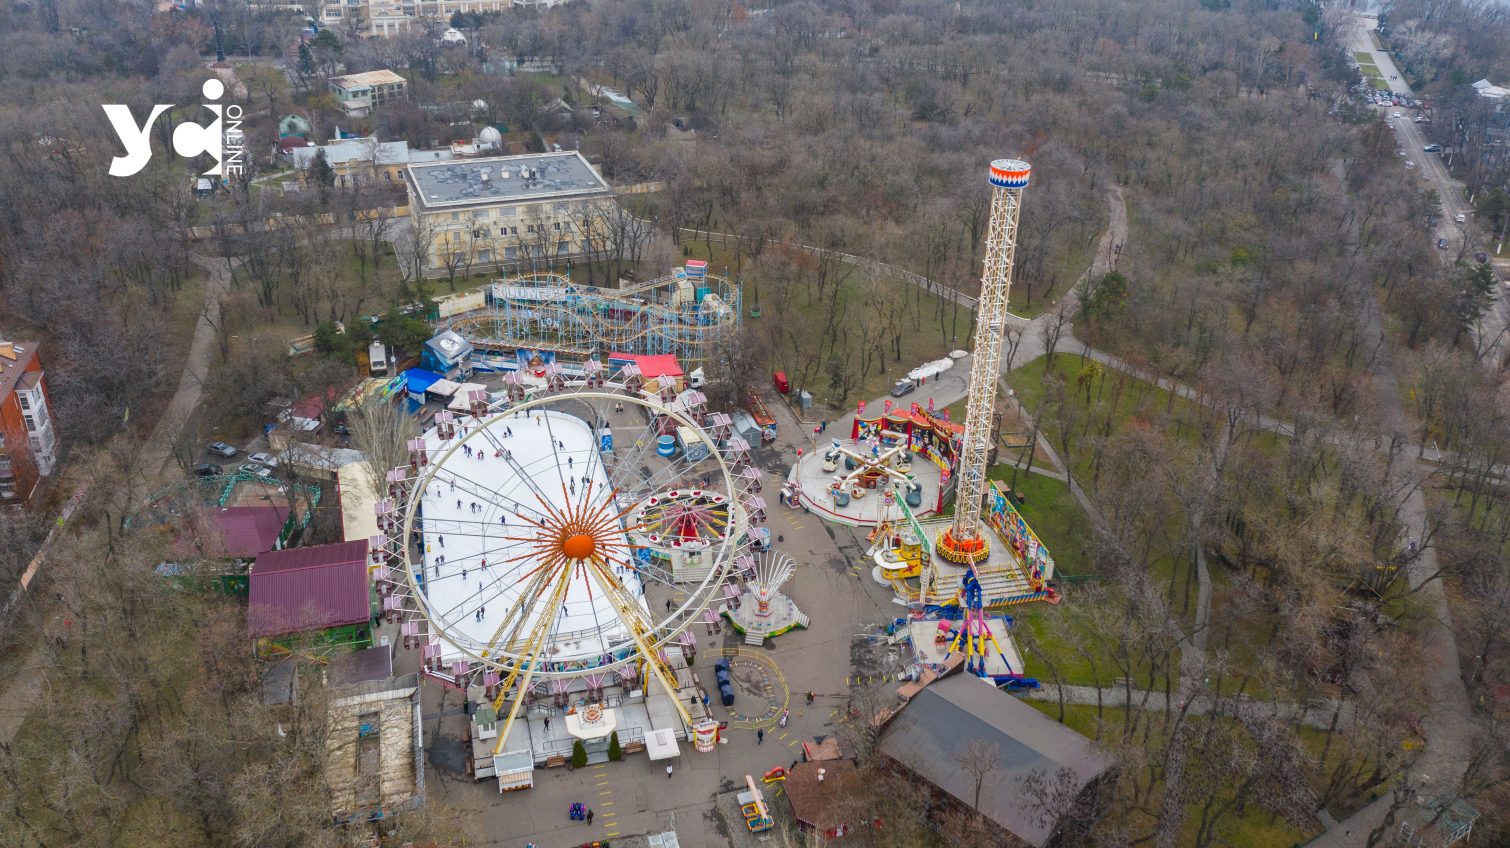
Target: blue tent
418, 380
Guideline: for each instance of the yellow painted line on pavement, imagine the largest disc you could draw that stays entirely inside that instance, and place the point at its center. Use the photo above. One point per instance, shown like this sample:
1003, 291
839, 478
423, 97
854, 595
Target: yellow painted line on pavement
609, 804
793, 742
602, 783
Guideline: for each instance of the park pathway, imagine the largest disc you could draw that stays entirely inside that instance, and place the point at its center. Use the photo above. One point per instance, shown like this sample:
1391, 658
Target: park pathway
1317, 715
191, 382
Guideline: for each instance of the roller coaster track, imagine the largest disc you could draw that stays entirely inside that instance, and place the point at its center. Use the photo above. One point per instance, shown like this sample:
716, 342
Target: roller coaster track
665, 315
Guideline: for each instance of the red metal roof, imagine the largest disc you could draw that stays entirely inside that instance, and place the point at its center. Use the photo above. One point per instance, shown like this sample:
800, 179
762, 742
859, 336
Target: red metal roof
659, 365
305, 589
291, 558
250, 530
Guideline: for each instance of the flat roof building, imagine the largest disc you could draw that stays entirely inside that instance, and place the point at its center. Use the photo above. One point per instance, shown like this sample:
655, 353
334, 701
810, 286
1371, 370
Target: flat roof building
497, 211
505, 179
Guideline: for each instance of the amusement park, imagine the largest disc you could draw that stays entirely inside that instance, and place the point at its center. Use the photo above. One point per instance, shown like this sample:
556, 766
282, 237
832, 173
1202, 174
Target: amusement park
577, 549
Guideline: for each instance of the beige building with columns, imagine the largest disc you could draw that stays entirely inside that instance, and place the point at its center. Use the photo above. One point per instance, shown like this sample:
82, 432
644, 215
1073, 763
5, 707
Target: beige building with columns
524, 210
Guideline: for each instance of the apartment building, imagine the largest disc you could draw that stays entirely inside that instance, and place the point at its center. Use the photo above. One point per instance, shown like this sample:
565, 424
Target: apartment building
28, 440
359, 94
383, 18
502, 210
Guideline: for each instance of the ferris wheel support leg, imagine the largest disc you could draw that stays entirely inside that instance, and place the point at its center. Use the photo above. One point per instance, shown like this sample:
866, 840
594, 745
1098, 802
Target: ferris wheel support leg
613, 590
537, 641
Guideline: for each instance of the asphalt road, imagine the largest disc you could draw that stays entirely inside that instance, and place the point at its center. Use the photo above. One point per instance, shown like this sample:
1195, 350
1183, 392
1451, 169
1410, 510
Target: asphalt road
1462, 241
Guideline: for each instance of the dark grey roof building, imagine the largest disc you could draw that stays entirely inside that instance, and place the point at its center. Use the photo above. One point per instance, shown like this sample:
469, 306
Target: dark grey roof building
930, 735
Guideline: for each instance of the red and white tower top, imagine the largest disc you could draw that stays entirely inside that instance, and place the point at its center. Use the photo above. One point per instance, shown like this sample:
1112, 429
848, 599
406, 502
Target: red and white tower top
965, 540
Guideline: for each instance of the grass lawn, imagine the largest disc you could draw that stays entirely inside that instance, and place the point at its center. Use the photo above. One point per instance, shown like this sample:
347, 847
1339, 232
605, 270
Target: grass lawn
1055, 516
1136, 400
1379, 83
1364, 57
1256, 829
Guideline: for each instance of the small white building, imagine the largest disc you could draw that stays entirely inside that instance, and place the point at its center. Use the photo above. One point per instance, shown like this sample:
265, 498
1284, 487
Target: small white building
359, 94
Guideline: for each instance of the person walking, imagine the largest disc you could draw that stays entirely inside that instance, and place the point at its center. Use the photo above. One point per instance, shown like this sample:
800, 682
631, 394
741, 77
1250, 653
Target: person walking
668, 771
547, 724
589, 815
760, 736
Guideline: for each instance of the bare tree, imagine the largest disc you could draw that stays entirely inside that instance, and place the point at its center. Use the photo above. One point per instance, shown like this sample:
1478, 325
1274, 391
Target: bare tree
381, 431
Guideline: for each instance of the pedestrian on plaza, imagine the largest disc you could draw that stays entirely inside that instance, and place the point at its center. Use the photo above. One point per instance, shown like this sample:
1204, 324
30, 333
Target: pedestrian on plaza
668, 771
668, 605
759, 736
811, 696
568, 462
589, 815
442, 541
547, 724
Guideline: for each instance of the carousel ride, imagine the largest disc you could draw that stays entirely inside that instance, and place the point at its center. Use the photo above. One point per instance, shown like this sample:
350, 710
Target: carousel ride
859, 481
513, 556
762, 610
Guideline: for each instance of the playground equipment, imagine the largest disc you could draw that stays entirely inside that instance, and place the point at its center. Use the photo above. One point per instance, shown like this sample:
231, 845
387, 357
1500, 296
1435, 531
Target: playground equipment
684, 313
965, 541
524, 577
763, 610
753, 807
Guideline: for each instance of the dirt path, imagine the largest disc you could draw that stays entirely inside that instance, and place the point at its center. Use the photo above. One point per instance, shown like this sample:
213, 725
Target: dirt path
196, 364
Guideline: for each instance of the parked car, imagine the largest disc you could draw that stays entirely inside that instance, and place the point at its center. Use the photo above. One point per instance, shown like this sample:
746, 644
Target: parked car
221, 449
1442, 243
259, 470
1460, 218
903, 387
1432, 148
1481, 257
207, 469
1397, 114
266, 459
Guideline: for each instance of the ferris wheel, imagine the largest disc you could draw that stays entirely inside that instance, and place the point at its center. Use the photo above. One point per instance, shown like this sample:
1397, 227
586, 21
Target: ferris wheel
521, 545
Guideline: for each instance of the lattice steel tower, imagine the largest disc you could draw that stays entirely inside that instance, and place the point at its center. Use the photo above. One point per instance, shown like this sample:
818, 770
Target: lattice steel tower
964, 541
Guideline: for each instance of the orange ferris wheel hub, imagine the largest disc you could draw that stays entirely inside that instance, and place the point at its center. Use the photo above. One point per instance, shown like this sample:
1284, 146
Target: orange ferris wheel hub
579, 546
